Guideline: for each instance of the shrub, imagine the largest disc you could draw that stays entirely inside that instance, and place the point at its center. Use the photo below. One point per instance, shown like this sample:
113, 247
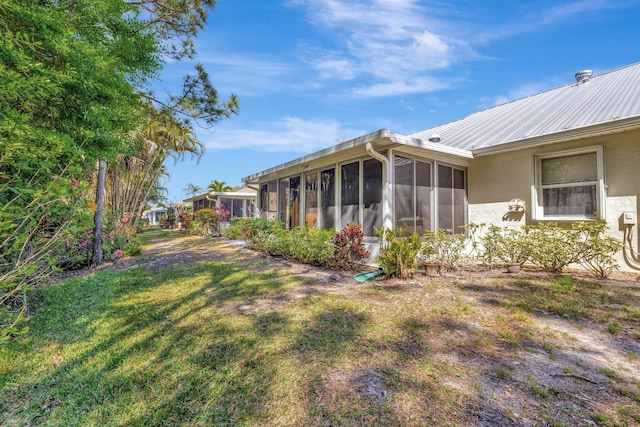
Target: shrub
185, 220
207, 221
260, 234
554, 248
348, 246
236, 229
398, 252
474, 231
309, 245
442, 248
132, 249
505, 245
598, 250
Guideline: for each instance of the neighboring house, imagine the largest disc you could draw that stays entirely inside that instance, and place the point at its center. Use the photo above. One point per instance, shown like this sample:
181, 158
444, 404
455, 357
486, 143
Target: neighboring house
240, 202
566, 154
154, 215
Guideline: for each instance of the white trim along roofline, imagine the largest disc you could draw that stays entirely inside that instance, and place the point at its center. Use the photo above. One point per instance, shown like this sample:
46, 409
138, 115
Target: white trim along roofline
379, 135
598, 129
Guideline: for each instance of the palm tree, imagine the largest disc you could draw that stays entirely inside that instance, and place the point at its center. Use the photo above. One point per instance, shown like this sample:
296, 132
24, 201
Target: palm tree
192, 189
135, 177
219, 186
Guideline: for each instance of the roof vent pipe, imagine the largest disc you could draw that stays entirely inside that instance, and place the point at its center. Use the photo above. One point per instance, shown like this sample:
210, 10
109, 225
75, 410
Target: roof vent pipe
583, 76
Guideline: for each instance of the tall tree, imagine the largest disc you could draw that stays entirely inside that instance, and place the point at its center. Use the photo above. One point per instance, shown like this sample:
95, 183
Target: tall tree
64, 99
72, 74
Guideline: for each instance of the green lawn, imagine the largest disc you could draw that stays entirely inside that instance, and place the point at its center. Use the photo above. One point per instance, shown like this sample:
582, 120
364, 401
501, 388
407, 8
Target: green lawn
233, 341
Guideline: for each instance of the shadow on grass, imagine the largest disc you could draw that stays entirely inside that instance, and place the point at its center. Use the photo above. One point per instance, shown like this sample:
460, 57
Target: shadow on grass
128, 341
219, 343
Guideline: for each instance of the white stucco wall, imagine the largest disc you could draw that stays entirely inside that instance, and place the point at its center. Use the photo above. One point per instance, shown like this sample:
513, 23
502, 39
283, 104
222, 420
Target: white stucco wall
496, 179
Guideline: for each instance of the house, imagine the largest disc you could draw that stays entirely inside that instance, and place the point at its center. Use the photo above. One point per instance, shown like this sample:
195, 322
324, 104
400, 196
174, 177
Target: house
240, 201
154, 215
566, 154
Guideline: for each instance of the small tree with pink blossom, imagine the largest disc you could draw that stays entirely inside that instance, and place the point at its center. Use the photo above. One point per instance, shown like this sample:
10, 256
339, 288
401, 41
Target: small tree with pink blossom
207, 221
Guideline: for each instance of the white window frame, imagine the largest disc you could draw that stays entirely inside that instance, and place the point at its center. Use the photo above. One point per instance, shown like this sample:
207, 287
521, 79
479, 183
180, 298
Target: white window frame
537, 187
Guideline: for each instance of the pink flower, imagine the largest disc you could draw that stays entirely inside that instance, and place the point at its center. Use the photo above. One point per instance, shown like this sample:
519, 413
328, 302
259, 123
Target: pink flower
118, 253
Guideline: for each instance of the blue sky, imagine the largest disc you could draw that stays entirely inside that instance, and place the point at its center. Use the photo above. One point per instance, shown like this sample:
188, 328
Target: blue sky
310, 73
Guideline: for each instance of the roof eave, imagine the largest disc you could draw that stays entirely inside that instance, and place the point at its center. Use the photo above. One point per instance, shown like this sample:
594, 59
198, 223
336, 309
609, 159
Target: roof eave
361, 141
598, 129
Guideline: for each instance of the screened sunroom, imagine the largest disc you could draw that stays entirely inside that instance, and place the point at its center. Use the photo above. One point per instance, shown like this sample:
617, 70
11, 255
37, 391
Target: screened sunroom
380, 179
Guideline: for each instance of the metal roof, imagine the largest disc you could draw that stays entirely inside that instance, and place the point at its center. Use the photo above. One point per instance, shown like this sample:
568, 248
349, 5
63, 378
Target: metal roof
606, 103
602, 101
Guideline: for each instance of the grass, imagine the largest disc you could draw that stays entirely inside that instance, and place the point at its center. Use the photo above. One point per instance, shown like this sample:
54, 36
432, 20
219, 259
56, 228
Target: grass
233, 341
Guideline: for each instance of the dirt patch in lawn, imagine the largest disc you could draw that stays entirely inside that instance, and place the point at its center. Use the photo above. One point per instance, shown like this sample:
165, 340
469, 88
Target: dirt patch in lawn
500, 349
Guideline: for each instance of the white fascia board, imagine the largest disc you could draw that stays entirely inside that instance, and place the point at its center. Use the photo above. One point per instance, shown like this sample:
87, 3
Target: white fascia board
600, 129
434, 147
378, 135
195, 198
361, 140
233, 194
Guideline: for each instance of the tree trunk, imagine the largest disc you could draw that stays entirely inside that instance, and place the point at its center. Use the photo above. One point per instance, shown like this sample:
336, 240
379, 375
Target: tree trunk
97, 219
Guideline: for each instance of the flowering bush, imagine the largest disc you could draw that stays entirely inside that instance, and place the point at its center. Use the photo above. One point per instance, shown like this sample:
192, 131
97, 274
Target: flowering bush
118, 239
207, 221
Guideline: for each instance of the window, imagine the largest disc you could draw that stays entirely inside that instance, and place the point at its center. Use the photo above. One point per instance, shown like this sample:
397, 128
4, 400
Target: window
412, 194
311, 200
371, 196
569, 185
327, 199
268, 200
289, 208
452, 199
350, 193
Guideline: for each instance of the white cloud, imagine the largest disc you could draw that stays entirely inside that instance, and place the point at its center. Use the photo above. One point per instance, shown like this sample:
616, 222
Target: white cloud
290, 134
539, 18
401, 46
248, 75
393, 43
334, 67
400, 87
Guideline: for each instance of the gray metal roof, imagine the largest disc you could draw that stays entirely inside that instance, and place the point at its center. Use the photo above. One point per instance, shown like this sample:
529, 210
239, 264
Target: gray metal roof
603, 100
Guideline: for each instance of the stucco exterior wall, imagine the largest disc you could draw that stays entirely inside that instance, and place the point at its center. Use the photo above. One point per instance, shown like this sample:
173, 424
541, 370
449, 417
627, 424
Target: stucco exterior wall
496, 179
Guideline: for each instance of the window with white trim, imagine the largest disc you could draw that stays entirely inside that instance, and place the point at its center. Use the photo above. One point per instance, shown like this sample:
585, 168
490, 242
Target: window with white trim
569, 185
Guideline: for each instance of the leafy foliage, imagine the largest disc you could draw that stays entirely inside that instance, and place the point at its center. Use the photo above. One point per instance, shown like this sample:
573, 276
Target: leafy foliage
598, 250
506, 246
219, 186
554, 248
442, 248
398, 252
344, 250
207, 221
349, 247
72, 75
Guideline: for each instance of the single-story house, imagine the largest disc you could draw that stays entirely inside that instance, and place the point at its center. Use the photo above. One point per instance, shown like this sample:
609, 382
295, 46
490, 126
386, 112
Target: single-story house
240, 201
566, 154
154, 215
